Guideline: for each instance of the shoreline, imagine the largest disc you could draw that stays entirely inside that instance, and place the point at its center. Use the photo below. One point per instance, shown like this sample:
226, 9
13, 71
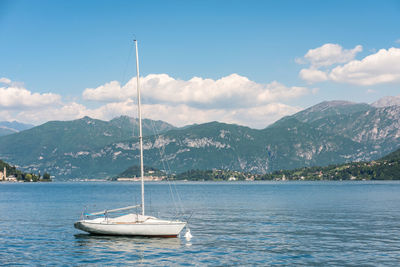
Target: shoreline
209, 182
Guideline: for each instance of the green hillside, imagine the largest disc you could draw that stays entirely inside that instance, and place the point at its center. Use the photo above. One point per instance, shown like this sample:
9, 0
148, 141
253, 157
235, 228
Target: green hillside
386, 168
57, 146
392, 157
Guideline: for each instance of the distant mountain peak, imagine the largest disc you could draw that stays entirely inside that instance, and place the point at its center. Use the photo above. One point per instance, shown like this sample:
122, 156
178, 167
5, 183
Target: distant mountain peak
122, 117
339, 102
330, 108
387, 101
87, 118
334, 103
13, 127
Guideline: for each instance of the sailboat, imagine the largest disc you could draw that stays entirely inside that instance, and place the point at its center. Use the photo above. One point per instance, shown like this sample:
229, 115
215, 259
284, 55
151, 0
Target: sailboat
131, 224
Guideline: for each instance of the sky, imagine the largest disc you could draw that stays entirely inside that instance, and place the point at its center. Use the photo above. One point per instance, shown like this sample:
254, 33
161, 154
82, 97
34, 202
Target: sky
243, 62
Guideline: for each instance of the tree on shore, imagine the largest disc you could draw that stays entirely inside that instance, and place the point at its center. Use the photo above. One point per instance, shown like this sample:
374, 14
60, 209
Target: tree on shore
46, 176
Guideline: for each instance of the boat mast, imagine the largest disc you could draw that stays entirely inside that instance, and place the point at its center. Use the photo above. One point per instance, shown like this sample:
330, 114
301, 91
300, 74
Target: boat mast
140, 125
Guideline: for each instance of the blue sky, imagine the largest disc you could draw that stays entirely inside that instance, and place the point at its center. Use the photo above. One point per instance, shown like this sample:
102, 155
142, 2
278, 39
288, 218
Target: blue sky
62, 48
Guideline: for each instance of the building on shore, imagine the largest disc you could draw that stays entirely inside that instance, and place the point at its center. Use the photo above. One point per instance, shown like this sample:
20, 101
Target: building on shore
3, 175
12, 178
5, 178
137, 179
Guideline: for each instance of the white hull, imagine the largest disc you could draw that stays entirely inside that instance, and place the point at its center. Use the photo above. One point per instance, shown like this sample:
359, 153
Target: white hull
132, 225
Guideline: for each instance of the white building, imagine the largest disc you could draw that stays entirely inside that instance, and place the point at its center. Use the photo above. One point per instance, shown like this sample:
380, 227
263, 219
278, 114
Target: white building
3, 176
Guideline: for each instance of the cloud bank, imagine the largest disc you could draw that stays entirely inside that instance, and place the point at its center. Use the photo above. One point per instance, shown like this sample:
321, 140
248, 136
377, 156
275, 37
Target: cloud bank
233, 91
380, 67
231, 99
330, 54
12, 96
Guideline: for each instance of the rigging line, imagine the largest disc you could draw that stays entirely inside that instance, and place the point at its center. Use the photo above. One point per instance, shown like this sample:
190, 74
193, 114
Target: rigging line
174, 185
176, 191
126, 66
155, 133
162, 161
123, 81
180, 206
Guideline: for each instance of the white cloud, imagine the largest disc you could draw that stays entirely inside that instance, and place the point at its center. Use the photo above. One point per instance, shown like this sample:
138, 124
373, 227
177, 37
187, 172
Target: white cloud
13, 96
231, 99
381, 67
18, 103
315, 91
172, 100
5, 80
109, 92
232, 91
112, 110
313, 75
329, 54
67, 111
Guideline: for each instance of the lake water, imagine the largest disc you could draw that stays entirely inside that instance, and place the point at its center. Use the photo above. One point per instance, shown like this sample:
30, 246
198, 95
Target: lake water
288, 223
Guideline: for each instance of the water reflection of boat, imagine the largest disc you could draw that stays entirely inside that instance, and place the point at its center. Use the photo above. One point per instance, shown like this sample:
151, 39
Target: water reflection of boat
126, 244
101, 250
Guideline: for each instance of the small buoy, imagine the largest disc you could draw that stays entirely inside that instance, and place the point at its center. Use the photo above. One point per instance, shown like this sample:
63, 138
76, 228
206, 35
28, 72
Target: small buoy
188, 235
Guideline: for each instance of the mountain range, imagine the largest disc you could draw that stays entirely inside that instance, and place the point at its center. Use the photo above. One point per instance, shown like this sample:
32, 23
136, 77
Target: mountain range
328, 133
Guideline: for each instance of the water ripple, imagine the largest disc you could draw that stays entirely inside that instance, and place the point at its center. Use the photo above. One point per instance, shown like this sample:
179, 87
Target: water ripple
233, 224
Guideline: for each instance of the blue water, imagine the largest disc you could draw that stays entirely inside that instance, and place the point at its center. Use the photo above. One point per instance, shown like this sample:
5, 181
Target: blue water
293, 223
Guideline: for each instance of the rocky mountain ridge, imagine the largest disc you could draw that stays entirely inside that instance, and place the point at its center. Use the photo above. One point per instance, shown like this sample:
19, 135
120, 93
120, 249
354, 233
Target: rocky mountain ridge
387, 101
